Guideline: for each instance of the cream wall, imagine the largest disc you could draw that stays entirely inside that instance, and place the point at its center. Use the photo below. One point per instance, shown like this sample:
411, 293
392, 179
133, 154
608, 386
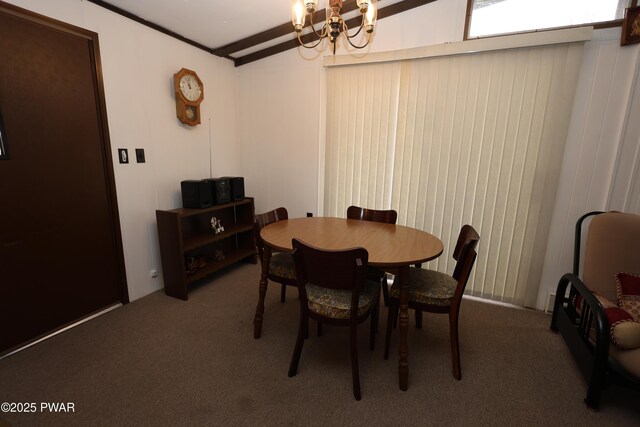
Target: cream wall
279, 110
138, 64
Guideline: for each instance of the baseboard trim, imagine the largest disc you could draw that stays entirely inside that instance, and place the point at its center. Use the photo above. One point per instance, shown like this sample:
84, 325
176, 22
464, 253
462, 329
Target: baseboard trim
59, 331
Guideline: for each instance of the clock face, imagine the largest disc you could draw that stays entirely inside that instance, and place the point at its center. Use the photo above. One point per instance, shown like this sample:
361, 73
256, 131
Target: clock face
190, 88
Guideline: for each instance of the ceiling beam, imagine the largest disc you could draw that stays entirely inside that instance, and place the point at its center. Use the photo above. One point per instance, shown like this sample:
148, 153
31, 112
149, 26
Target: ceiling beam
384, 12
265, 36
279, 31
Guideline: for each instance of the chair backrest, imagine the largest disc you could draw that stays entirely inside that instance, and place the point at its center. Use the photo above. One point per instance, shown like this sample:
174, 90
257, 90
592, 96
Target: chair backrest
467, 242
264, 219
613, 246
387, 216
332, 269
463, 271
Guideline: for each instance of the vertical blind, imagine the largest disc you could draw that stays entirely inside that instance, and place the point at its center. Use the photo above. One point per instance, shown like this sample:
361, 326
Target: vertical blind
362, 106
463, 139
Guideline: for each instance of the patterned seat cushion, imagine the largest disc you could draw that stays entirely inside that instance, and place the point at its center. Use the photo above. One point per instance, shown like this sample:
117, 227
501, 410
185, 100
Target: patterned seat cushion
337, 303
281, 265
428, 287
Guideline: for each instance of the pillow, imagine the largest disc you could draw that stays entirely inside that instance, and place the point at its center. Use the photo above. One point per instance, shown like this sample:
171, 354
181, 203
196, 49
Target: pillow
625, 332
628, 288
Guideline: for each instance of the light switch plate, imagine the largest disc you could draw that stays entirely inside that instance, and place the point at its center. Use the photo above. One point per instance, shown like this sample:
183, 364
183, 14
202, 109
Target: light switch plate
123, 155
140, 155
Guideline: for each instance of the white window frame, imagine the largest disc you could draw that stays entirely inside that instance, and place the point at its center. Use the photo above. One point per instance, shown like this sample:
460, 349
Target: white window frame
595, 25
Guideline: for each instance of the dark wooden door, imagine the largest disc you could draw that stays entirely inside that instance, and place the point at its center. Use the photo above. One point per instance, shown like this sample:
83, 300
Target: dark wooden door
60, 247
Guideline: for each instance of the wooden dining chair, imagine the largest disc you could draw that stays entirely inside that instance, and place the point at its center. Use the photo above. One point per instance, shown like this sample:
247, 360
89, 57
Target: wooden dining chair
437, 292
333, 289
387, 216
281, 269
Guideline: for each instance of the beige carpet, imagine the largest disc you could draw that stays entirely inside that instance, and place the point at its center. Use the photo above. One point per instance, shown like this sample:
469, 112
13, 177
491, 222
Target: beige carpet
160, 361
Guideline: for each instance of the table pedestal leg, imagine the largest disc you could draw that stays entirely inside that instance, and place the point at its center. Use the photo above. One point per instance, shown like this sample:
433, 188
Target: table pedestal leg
257, 320
403, 364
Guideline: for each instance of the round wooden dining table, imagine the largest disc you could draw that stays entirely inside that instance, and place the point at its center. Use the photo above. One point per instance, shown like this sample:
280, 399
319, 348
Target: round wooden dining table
393, 248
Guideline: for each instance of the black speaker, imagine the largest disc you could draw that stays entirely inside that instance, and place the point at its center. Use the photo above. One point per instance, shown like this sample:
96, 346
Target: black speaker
236, 184
196, 194
220, 191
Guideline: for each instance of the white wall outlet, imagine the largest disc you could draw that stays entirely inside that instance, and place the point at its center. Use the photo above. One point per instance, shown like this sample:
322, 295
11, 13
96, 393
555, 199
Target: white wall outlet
153, 273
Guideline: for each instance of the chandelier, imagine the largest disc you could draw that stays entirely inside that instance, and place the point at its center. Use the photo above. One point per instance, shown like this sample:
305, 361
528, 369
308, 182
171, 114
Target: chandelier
334, 25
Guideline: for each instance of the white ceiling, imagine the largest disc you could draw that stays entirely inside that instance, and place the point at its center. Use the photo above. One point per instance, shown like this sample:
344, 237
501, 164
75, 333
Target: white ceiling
212, 23
217, 23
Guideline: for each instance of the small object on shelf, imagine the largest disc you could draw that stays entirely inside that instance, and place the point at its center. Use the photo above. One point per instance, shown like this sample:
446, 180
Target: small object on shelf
194, 264
219, 255
216, 225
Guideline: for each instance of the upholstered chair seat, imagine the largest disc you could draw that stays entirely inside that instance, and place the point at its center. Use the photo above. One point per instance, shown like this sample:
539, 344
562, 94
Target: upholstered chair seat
428, 287
336, 303
281, 265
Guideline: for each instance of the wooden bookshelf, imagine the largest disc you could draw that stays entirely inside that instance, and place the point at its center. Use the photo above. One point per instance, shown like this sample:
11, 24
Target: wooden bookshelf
187, 238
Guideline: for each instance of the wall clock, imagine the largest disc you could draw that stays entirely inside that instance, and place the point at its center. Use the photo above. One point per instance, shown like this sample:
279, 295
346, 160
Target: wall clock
189, 94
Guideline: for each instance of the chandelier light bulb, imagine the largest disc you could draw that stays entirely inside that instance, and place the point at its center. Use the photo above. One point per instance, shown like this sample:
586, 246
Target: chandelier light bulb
370, 17
311, 5
363, 5
297, 15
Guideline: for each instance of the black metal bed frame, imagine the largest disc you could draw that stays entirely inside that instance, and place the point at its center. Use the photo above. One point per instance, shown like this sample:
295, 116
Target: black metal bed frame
581, 320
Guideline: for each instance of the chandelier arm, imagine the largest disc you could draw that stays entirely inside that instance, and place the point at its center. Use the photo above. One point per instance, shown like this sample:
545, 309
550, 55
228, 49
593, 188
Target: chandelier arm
346, 29
311, 46
349, 38
323, 31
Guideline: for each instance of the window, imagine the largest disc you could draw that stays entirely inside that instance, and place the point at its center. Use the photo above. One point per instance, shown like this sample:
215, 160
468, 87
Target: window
494, 17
